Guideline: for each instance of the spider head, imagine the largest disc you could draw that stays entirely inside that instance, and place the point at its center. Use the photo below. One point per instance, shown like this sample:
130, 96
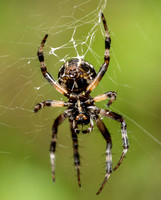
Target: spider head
82, 119
81, 114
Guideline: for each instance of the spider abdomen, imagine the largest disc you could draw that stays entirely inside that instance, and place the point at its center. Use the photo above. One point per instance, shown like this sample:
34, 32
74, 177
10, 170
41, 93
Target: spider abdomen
76, 74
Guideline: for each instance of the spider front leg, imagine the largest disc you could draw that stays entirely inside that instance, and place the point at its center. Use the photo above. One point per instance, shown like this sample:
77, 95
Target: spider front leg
75, 151
48, 76
119, 118
104, 67
101, 126
57, 122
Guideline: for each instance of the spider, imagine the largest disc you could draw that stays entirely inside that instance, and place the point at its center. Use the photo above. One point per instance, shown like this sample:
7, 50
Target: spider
77, 78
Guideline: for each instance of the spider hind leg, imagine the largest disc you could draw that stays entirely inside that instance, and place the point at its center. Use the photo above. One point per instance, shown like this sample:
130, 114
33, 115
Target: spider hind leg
44, 71
105, 65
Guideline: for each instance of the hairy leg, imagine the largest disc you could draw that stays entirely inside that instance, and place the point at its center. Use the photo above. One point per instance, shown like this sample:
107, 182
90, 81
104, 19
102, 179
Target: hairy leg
52, 103
57, 122
119, 118
75, 151
104, 67
46, 74
105, 133
108, 95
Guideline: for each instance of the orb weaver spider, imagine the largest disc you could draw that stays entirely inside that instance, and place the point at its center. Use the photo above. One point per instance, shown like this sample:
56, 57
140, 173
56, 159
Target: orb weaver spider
77, 78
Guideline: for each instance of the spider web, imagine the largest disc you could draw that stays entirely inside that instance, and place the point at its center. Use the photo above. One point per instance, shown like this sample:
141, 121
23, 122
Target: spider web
75, 31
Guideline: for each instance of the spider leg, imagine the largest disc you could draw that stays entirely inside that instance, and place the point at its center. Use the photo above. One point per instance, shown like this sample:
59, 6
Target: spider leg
75, 127
48, 76
90, 128
108, 95
52, 103
104, 67
101, 126
57, 122
119, 118
75, 150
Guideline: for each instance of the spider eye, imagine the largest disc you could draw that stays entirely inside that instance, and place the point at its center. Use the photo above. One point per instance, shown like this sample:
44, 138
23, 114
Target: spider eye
82, 119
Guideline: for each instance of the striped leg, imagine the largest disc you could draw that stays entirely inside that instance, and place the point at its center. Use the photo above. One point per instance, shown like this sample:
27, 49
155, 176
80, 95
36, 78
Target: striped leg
108, 95
48, 76
57, 122
75, 150
75, 127
119, 118
107, 137
104, 67
52, 103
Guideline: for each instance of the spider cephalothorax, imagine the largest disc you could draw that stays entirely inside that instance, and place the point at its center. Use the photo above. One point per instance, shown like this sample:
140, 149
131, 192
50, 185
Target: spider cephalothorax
77, 78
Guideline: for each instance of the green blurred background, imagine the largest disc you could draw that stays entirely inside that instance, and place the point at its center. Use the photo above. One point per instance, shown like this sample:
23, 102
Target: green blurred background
134, 73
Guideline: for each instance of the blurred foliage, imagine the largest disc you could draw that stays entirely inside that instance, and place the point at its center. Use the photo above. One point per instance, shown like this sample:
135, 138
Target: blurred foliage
134, 72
